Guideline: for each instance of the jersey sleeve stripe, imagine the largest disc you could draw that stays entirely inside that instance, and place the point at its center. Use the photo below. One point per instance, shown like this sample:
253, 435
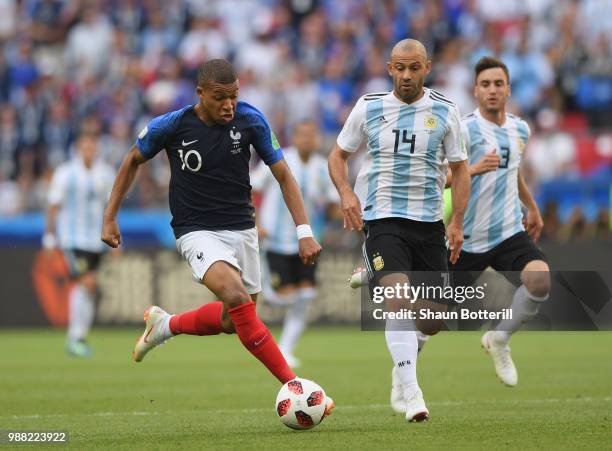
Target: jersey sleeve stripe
441, 99
374, 96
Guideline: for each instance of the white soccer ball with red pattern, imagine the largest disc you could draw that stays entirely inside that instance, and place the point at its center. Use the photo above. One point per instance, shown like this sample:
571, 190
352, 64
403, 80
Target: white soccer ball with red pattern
301, 403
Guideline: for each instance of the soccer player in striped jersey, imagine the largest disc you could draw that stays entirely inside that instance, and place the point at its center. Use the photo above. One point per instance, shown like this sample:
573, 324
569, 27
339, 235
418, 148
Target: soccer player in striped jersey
78, 192
293, 282
412, 134
494, 231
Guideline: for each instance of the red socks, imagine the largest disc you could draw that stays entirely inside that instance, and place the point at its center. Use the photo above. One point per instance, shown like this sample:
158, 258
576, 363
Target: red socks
205, 320
256, 337
252, 332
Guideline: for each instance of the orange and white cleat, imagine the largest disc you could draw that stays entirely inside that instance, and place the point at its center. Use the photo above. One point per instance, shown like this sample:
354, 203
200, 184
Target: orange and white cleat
154, 333
329, 406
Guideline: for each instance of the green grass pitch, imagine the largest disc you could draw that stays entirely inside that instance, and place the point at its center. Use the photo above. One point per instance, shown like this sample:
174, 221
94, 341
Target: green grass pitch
208, 393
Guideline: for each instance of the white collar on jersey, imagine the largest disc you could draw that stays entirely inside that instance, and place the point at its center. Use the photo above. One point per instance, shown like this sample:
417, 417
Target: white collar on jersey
480, 116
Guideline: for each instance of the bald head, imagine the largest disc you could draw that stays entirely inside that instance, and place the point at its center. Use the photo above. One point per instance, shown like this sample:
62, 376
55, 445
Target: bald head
409, 46
408, 68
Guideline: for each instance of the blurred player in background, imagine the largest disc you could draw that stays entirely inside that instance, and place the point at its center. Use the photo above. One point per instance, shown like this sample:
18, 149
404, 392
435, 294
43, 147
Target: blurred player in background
208, 146
293, 282
78, 192
494, 228
411, 134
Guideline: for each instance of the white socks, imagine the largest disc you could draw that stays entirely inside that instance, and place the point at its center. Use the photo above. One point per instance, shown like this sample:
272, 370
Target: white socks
81, 313
524, 307
165, 327
403, 346
295, 320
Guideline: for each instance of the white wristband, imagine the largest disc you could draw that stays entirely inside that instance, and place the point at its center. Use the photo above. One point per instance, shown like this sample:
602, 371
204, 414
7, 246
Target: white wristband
303, 231
49, 241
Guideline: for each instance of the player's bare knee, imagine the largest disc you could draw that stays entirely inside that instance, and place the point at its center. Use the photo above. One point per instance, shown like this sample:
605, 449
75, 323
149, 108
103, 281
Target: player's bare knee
235, 297
538, 285
536, 278
429, 326
426, 321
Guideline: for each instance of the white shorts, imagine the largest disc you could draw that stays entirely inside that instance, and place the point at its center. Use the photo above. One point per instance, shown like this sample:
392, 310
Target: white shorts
239, 248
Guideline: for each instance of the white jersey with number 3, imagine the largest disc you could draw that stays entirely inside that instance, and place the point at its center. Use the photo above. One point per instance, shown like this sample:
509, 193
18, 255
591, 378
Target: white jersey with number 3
408, 149
494, 210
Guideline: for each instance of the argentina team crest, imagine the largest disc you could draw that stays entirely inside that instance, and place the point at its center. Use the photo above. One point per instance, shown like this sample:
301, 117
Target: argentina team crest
431, 122
378, 262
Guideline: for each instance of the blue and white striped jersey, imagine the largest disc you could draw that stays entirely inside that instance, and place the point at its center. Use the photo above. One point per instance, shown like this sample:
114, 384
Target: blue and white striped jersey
494, 210
408, 149
317, 190
81, 194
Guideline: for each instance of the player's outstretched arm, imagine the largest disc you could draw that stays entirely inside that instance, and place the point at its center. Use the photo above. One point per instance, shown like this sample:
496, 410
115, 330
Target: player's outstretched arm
535, 223
125, 177
309, 248
338, 171
460, 190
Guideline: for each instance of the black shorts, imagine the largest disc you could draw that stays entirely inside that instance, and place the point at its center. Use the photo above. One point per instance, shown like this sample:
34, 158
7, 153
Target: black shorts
509, 257
288, 269
402, 245
81, 262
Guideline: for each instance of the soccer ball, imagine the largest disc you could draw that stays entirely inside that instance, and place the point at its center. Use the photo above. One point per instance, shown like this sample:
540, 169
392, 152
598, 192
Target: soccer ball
301, 404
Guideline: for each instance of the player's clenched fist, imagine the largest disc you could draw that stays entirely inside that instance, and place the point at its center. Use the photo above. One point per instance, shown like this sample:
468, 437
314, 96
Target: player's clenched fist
110, 233
534, 223
351, 211
490, 162
309, 250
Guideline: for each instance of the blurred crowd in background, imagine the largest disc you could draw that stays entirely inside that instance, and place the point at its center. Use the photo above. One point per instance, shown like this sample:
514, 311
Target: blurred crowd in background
108, 67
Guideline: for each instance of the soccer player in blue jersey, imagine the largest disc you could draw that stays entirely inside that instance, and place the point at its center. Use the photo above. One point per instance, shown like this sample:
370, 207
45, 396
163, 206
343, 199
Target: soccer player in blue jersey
208, 146
494, 231
413, 134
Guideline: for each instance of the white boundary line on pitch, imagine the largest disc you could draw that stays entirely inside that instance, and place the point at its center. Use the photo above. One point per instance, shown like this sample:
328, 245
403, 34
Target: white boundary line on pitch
346, 407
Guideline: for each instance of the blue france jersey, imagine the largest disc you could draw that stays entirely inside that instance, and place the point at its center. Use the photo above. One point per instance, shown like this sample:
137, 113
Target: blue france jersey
209, 184
494, 210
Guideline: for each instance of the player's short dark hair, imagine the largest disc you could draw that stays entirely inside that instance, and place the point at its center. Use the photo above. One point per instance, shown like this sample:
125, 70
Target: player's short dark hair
218, 71
490, 62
